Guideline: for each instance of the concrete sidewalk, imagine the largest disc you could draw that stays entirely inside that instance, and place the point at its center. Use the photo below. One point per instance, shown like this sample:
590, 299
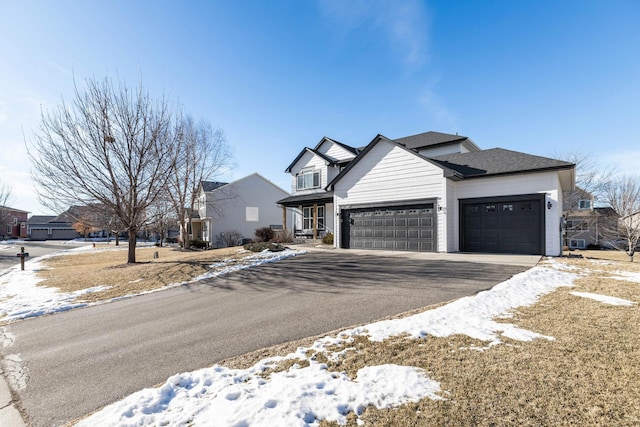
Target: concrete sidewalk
9, 415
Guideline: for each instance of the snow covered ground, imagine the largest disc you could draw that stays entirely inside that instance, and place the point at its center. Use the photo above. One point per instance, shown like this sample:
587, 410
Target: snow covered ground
307, 392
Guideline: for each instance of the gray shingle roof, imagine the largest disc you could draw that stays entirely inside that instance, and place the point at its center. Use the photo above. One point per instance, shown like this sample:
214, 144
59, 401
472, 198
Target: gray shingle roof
497, 161
40, 219
431, 138
212, 185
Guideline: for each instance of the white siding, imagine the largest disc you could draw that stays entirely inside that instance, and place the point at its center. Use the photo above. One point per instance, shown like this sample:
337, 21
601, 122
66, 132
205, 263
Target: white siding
306, 161
547, 183
389, 173
228, 210
335, 151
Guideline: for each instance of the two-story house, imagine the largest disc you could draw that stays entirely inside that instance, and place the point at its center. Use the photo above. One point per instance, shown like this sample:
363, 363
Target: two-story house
311, 171
13, 223
429, 192
581, 219
237, 208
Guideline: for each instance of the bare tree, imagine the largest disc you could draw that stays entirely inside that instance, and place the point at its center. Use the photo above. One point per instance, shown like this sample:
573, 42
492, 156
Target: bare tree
112, 147
591, 177
203, 153
5, 196
163, 216
623, 232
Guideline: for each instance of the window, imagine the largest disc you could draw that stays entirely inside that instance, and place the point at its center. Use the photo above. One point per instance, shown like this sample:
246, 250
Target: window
307, 179
507, 208
490, 208
307, 218
252, 214
9, 229
584, 204
577, 243
15, 221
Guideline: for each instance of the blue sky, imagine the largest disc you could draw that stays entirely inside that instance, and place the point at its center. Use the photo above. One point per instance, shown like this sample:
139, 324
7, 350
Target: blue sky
542, 77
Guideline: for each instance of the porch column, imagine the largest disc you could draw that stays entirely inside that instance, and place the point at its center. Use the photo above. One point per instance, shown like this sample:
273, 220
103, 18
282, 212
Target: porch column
284, 219
315, 221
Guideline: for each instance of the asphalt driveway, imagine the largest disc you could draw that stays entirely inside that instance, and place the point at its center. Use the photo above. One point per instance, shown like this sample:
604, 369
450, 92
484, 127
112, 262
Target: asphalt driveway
70, 364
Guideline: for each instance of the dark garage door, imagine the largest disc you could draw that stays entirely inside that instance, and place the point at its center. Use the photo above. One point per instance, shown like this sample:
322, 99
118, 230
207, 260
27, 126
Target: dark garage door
503, 225
402, 228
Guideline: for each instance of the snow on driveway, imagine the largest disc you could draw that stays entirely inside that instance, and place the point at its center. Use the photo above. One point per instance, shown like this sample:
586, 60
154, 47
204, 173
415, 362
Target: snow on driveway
304, 395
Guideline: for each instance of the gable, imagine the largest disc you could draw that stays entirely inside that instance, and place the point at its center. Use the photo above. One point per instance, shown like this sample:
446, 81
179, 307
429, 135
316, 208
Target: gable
335, 150
303, 157
390, 172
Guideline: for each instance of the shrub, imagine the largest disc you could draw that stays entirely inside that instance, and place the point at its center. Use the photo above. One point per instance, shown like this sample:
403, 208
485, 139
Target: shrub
264, 234
198, 244
282, 236
230, 238
328, 239
261, 246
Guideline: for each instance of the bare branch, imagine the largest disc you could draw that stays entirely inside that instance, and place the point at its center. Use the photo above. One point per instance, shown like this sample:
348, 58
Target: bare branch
111, 147
623, 232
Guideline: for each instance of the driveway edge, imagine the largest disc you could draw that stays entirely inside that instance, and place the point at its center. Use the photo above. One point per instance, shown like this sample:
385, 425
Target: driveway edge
9, 415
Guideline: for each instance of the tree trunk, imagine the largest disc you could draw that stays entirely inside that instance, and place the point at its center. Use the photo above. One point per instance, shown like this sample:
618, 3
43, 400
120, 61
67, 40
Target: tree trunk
186, 244
131, 257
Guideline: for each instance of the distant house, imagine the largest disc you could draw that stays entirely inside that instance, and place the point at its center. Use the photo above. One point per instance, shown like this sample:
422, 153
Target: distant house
51, 227
583, 221
431, 192
13, 223
235, 209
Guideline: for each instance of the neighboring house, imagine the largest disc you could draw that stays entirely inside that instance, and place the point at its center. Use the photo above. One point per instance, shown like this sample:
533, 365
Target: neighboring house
50, 227
583, 221
429, 192
13, 223
237, 208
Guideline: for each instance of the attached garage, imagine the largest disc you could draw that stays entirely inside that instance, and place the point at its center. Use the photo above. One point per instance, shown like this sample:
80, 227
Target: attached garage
39, 233
402, 228
511, 224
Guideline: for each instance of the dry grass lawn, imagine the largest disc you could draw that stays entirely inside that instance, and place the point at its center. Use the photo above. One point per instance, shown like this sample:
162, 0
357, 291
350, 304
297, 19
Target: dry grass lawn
108, 268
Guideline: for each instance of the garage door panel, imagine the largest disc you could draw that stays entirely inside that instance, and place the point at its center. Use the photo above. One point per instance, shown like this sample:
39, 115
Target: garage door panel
511, 226
394, 228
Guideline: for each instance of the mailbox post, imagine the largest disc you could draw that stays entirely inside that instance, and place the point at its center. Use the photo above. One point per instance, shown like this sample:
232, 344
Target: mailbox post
22, 255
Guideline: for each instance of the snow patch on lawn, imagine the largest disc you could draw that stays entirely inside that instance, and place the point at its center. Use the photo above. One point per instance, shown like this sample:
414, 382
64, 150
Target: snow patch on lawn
604, 298
475, 316
627, 276
296, 397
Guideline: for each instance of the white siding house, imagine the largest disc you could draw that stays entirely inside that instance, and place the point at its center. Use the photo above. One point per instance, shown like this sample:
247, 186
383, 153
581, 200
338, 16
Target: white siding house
239, 207
433, 192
